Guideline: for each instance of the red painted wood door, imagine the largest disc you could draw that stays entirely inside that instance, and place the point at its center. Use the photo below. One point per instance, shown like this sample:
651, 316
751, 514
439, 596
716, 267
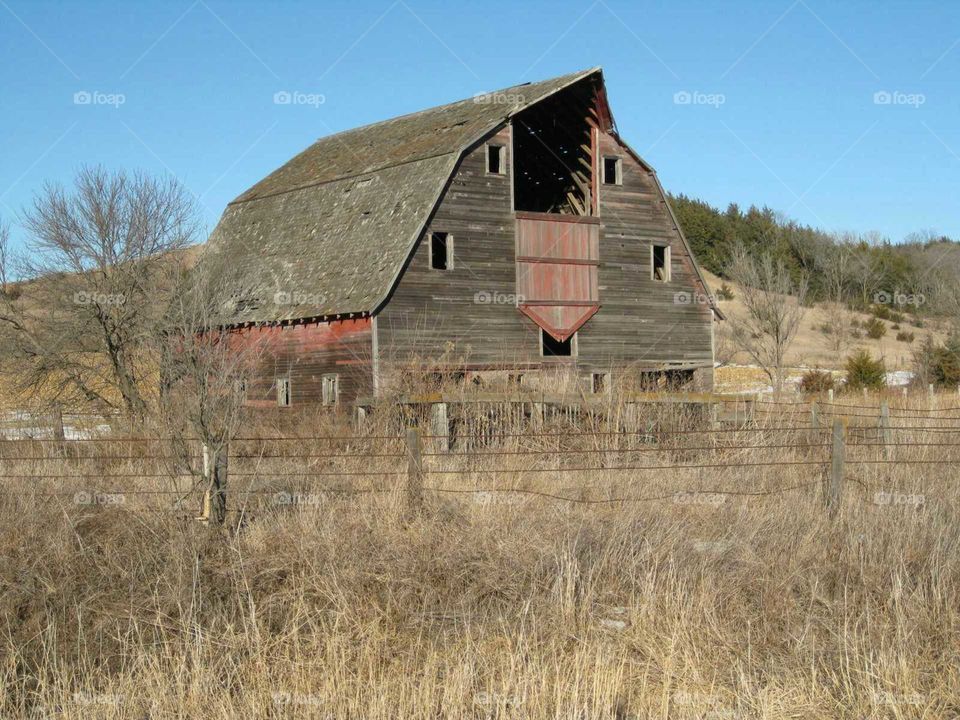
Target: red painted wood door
557, 270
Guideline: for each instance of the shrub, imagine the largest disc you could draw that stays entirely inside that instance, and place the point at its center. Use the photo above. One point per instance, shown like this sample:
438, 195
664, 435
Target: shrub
725, 292
938, 364
881, 311
875, 328
897, 317
816, 381
904, 336
895, 326
918, 323
825, 328
865, 372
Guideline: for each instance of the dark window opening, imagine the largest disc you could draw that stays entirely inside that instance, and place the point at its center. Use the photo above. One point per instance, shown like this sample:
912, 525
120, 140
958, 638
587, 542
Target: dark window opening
441, 251
611, 171
551, 347
495, 159
283, 392
661, 264
552, 153
516, 379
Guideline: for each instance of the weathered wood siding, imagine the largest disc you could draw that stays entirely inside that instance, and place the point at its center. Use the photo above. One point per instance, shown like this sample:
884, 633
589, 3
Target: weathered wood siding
474, 304
304, 353
641, 323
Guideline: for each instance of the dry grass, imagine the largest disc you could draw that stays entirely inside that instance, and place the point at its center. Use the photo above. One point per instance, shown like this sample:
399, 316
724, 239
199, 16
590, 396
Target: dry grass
492, 605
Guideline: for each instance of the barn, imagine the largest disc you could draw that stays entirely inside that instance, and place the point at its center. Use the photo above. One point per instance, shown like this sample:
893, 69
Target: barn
512, 234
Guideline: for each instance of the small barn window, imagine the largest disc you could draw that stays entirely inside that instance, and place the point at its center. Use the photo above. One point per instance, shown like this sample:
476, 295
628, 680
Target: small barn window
612, 171
496, 159
551, 347
330, 388
660, 263
441, 251
283, 392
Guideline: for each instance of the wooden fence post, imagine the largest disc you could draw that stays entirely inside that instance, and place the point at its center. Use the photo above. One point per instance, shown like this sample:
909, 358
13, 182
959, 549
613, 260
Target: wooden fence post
218, 486
830, 396
885, 428
58, 432
814, 416
440, 426
414, 472
930, 394
837, 457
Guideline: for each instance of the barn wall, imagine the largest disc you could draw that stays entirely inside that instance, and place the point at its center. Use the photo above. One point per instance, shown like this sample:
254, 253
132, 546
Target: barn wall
472, 304
641, 320
641, 323
305, 352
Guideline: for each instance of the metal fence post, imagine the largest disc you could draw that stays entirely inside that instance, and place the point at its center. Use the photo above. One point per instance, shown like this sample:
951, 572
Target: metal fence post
414, 472
837, 457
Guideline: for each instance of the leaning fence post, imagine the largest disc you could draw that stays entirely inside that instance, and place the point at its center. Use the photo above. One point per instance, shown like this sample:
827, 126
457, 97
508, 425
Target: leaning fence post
885, 428
414, 472
837, 457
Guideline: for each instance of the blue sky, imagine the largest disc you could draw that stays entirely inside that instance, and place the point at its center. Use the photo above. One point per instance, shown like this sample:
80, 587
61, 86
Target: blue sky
844, 115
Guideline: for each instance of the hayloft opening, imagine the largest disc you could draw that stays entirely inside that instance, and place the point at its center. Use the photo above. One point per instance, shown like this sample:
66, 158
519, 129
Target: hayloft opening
551, 347
441, 251
552, 153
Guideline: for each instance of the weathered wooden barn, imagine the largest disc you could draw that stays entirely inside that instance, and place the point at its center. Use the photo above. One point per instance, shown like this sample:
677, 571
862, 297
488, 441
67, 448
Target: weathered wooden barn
513, 232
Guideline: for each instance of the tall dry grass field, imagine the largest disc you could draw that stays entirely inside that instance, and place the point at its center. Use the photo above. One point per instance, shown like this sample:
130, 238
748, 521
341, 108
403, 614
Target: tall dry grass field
672, 592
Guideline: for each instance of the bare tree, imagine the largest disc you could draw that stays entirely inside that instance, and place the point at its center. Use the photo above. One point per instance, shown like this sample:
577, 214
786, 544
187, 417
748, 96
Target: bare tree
833, 262
205, 367
94, 276
773, 305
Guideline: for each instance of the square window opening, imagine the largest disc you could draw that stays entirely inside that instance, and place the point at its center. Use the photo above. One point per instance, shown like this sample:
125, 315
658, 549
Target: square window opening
283, 392
612, 171
496, 159
441, 251
551, 347
660, 263
330, 388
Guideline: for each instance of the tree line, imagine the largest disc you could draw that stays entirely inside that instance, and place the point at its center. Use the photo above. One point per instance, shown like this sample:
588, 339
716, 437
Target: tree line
919, 274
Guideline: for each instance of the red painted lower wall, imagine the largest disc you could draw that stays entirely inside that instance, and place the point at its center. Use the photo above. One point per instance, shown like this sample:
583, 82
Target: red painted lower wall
304, 353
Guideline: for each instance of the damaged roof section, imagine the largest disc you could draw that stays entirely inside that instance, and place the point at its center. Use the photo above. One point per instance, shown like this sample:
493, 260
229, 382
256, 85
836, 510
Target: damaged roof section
329, 232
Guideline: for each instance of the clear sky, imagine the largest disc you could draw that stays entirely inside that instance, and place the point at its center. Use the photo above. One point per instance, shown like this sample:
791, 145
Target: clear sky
844, 115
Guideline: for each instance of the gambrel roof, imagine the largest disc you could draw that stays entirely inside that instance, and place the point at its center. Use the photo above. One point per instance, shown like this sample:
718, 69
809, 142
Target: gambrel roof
329, 232
334, 226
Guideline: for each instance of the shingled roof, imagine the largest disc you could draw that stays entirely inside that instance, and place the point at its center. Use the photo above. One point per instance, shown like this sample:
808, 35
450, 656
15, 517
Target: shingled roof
329, 232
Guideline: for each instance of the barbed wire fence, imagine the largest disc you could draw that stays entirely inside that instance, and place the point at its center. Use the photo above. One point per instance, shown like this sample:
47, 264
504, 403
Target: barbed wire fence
828, 442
